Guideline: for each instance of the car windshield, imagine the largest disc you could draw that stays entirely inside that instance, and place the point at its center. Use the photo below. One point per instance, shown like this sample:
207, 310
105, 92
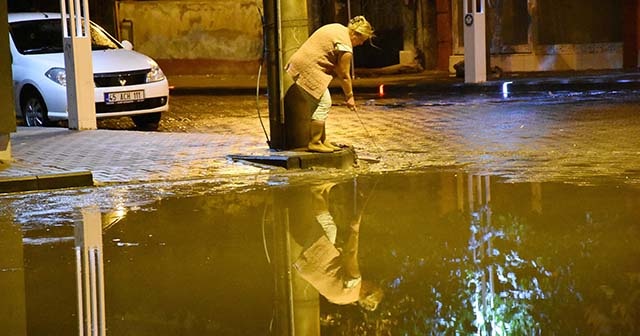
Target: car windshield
45, 37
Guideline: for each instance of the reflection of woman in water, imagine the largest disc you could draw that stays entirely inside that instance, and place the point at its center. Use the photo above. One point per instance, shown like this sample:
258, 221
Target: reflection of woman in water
332, 270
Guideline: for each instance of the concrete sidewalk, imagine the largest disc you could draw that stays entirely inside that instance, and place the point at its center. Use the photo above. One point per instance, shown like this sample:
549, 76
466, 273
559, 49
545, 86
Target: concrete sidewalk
113, 156
45, 158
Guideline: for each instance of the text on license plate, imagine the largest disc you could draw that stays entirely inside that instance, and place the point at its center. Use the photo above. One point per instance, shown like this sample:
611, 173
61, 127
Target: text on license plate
123, 97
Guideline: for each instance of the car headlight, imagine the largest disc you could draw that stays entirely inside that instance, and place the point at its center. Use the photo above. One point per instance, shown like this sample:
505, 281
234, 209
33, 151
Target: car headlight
155, 74
57, 75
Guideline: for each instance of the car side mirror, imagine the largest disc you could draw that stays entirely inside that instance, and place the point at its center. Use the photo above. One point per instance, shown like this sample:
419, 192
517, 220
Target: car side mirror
127, 45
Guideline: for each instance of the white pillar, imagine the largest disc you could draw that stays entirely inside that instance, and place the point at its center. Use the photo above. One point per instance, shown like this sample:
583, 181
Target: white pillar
475, 61
79, 69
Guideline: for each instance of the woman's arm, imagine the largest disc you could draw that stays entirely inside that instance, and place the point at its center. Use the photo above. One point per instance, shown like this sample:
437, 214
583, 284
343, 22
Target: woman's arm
350, 250
343, 72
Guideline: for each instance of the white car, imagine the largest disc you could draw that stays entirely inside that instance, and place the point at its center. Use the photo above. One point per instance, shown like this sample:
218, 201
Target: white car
127, 83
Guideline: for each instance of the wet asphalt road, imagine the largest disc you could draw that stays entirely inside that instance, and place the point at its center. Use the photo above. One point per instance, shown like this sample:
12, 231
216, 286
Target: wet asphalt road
579, 137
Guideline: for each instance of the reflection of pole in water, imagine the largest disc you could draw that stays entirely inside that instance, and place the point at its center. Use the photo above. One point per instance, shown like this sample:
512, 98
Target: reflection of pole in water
536, 197
284, 307
499, 301
479, 199
90, 274
13, 311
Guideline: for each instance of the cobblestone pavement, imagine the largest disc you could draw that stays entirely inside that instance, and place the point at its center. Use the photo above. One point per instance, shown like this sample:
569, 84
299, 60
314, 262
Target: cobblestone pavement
572, 137
127, 156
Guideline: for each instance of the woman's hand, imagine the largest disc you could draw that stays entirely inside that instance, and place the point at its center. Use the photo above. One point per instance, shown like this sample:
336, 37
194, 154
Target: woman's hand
351, 103
343, 70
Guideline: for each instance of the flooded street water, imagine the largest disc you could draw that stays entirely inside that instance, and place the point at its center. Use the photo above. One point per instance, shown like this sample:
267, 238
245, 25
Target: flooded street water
449, 252
482, 215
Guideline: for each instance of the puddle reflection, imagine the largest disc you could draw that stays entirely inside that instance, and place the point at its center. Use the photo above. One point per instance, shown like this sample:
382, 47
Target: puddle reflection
90, 273
416, 253
317, 241
330, 265
13, 320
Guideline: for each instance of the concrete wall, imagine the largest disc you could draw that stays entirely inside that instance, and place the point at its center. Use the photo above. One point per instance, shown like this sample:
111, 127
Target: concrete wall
578, 21
560, 35
195, 37
222, 37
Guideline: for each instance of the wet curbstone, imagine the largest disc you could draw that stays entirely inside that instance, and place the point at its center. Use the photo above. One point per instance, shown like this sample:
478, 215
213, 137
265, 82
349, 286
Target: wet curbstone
44, 182
343, 159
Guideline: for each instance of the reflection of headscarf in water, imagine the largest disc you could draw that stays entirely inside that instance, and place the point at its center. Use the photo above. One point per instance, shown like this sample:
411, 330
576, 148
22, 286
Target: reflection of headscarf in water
322, 262
322, 266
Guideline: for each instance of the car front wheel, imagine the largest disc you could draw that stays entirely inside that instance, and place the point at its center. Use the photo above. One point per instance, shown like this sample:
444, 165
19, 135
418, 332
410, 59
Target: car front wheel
149, 122
34, 111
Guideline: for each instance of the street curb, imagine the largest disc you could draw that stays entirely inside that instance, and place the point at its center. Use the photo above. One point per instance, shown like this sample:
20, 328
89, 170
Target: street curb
428, 84
44, 182
496, 86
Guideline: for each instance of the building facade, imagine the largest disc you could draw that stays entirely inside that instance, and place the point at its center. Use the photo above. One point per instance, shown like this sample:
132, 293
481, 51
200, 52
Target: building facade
224, 37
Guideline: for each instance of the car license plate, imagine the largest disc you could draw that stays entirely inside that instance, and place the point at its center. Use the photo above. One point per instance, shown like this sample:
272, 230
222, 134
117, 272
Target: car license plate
123, 97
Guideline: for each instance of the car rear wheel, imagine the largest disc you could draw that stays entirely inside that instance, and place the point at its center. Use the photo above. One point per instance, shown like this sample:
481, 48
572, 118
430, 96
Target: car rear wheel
34, 111
149, 122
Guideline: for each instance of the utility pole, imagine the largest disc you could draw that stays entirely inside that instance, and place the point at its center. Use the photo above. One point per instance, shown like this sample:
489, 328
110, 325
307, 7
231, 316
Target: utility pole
7, 111
286, 28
